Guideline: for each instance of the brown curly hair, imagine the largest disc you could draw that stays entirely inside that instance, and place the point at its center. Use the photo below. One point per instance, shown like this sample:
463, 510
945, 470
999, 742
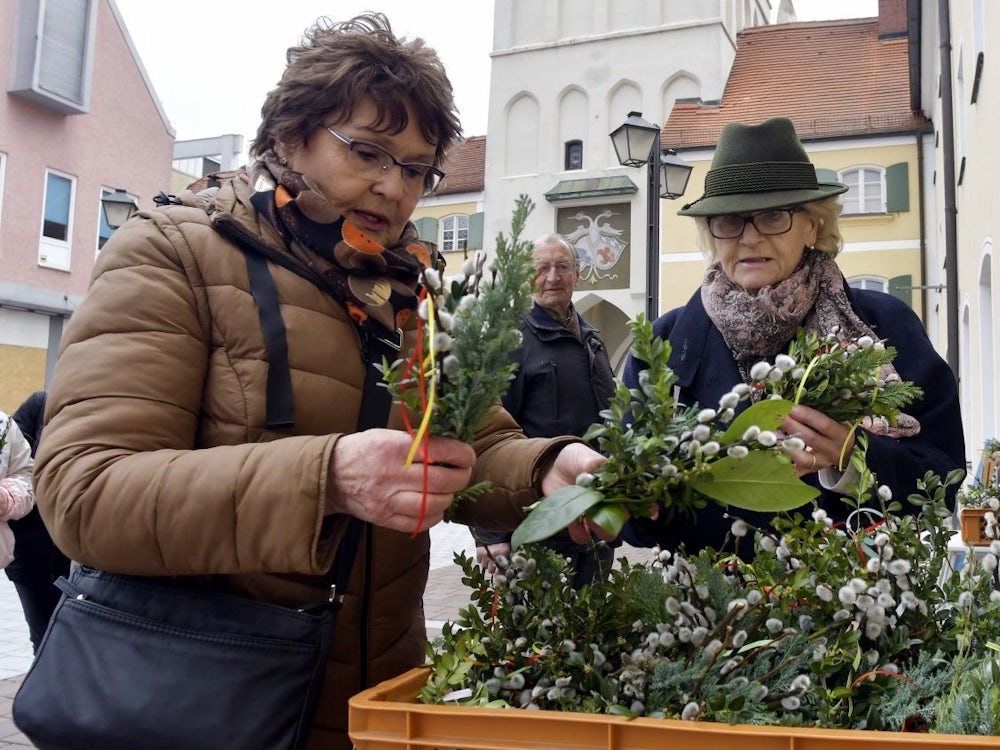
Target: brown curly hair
337, 64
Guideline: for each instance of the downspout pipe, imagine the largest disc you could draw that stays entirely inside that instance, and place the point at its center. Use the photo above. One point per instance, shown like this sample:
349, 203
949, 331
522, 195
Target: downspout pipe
950, 209
922, 211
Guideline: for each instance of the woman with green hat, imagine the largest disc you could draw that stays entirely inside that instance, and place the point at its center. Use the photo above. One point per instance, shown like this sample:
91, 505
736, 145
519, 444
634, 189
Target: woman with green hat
770, 230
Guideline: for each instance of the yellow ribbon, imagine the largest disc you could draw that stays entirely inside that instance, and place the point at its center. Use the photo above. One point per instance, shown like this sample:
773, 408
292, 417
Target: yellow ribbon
428, 367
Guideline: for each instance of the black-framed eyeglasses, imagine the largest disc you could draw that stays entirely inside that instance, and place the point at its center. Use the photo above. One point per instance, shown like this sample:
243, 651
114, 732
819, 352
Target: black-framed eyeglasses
770, 222
372, 161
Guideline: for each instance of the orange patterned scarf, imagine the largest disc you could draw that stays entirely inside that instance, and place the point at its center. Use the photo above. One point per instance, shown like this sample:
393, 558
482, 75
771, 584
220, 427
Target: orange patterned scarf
378, 285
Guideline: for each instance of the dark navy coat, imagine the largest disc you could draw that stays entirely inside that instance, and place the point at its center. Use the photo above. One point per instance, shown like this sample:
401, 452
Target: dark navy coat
706, 369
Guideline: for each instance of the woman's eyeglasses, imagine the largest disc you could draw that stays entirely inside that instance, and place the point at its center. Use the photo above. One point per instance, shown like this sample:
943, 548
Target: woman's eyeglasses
770, 222
372, 161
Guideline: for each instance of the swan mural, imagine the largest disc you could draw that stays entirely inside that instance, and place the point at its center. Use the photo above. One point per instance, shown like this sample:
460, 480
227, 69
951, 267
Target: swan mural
599, 245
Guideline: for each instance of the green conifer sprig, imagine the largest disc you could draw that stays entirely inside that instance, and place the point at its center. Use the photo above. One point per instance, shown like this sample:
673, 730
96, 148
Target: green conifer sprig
845, 380
475, 319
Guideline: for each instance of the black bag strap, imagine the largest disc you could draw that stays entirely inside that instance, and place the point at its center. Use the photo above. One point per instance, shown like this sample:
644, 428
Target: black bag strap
375, 398
280, 408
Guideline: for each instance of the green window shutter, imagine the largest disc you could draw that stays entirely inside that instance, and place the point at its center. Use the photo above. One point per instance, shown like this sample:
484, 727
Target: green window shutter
900, 287
427, 229
476, 231
826, 175
897, 187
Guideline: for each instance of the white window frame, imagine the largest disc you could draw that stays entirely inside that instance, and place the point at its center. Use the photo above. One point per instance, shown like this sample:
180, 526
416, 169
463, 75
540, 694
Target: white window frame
857, 202
52, 252
459, 239
869, 283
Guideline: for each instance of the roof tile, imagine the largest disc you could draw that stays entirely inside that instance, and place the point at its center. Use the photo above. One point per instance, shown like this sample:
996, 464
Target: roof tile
465, 167
832, 78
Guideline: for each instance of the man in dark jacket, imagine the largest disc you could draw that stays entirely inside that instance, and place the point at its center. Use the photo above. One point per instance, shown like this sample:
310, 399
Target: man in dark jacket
38, 562
563, 381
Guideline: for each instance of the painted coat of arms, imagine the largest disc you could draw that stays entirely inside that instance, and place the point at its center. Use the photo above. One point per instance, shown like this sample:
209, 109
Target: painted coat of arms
599, 245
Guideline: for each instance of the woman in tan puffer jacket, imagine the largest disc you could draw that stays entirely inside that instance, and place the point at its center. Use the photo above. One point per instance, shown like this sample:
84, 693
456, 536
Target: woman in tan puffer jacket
163, 453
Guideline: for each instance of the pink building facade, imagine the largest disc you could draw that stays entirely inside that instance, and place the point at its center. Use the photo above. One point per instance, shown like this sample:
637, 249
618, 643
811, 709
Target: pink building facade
78, 118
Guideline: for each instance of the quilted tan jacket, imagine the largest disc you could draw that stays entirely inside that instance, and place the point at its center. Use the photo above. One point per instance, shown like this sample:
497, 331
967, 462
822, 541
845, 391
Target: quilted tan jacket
156, 458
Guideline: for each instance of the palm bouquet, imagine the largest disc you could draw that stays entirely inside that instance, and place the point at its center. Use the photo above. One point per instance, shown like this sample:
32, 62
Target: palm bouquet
845, 379
467, 326
664, 457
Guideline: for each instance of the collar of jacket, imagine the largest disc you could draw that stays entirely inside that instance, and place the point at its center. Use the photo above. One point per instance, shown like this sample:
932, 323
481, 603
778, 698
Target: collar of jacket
232, 215
539, 319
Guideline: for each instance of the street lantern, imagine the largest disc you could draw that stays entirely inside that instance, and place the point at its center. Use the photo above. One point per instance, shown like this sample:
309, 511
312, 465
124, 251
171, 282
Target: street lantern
118, 207
633, 140
674, 174
637, 142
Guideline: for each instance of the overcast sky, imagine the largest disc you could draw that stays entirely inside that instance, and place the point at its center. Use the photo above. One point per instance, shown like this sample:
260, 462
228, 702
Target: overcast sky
212, 63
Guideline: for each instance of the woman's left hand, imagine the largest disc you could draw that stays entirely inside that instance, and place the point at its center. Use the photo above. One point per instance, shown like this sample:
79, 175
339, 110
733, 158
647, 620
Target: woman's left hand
828, 443
572, 461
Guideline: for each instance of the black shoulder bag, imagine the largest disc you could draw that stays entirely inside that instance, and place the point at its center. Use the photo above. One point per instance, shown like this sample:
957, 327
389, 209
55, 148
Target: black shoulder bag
131, 662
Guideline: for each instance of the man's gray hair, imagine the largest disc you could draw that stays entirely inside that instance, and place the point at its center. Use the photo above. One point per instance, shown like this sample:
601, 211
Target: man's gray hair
553, 238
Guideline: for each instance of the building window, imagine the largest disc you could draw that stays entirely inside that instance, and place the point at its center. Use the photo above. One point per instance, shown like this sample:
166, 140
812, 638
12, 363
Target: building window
58, 201
454, 233
868, 283
866, 190
54, 43
57, 220
574, 155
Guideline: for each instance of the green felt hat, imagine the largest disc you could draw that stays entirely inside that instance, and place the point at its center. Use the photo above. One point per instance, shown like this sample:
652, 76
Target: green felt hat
757, 167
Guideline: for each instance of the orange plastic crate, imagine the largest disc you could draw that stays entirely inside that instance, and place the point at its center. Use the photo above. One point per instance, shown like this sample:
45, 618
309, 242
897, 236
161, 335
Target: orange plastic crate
387, 717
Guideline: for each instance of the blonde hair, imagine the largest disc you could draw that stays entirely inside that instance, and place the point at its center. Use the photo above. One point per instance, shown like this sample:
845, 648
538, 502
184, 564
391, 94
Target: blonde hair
826, 214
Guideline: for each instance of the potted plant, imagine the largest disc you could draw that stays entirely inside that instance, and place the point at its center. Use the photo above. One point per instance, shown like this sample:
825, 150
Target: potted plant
991, 458
978, 505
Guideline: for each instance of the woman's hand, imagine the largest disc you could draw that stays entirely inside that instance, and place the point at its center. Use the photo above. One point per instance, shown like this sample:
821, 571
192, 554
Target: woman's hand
487, 554
572, 461
828, 443
368, 478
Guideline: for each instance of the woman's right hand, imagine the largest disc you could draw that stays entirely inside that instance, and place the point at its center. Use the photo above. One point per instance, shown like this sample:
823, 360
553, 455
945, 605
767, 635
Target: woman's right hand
368, 478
